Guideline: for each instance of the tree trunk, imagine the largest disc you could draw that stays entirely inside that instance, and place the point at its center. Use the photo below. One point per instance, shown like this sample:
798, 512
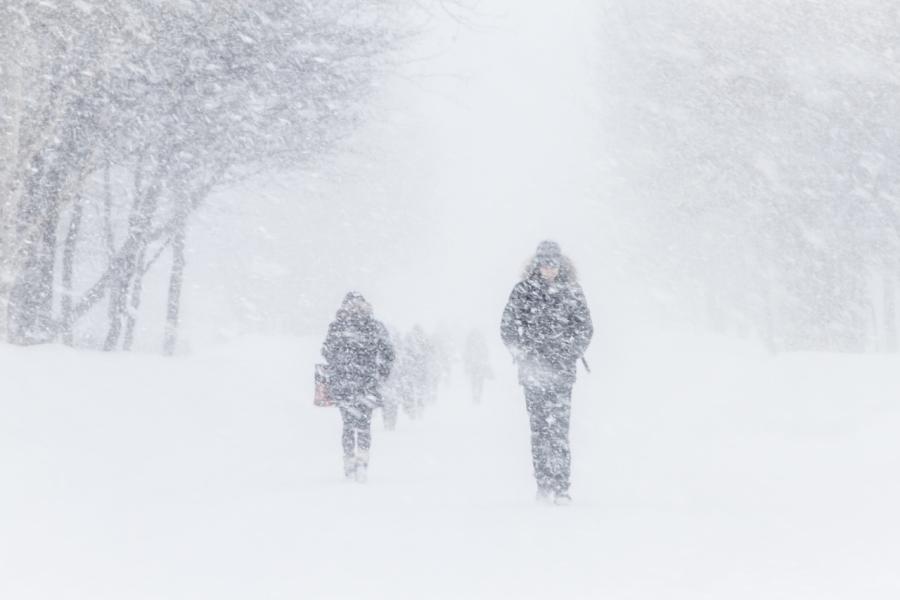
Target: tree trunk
890, 311
11, 78
176, 278
114, 311
30, 317
68, 267
118, 301
126, 272
134, 303
108, 235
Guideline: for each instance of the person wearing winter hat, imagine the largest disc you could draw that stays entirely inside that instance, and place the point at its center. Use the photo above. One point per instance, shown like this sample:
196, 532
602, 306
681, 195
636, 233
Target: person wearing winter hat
547, 327
359, 356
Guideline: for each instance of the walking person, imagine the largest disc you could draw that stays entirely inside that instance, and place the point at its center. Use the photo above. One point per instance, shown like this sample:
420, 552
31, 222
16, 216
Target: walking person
392, 389
359, 357
476, 363
421, 372
547, 327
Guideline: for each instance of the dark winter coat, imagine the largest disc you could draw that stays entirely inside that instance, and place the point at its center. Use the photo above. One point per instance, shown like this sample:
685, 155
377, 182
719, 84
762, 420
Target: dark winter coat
547, 327
359, 354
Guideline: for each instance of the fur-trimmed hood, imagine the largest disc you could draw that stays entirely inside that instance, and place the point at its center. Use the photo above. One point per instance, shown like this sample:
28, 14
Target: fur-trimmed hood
354, 305
567, 271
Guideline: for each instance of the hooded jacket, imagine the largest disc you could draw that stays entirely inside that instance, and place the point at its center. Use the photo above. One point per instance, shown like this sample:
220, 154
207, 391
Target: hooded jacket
358, 350
547, 325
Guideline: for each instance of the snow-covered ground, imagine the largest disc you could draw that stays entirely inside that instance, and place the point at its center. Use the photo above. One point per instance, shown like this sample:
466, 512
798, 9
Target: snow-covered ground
701, 470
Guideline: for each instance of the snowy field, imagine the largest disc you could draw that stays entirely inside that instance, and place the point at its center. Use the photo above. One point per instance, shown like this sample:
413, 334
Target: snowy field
712, 472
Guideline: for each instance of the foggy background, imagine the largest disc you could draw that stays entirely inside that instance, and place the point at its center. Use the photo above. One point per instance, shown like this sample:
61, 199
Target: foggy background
478, 151
719, 167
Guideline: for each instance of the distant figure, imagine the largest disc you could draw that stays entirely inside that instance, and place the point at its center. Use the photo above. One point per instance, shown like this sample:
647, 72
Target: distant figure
392, 390
547, 327
359, 354
401, 382
442, 353
477, 364
420, 375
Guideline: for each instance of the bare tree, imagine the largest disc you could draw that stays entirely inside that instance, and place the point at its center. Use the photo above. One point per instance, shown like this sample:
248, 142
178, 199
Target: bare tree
756, 141
184, 99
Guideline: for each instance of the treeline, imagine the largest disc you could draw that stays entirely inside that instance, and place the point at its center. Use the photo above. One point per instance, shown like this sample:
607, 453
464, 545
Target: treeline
757, 144
119, 118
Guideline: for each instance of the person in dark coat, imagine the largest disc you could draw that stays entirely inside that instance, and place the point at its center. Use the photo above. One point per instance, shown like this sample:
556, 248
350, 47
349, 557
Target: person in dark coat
423, 371
391, 391
359, 357
547, 327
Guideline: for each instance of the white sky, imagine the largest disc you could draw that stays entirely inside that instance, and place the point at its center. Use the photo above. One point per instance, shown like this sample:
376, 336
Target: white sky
481, 147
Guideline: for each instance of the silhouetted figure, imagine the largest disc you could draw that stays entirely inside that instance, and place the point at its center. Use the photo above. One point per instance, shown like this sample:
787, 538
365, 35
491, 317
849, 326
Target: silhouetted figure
547, 327
359, 356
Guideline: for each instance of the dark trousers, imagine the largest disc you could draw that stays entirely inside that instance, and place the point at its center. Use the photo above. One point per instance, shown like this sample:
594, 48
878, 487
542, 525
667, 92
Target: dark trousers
357, 433
389, 412
549, 408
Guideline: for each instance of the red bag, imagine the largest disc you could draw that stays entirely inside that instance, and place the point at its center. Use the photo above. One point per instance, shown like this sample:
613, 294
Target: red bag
322, 398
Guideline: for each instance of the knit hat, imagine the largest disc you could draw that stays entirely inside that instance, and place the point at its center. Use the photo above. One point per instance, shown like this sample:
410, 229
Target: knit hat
352, 298
355, 303
548, 253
